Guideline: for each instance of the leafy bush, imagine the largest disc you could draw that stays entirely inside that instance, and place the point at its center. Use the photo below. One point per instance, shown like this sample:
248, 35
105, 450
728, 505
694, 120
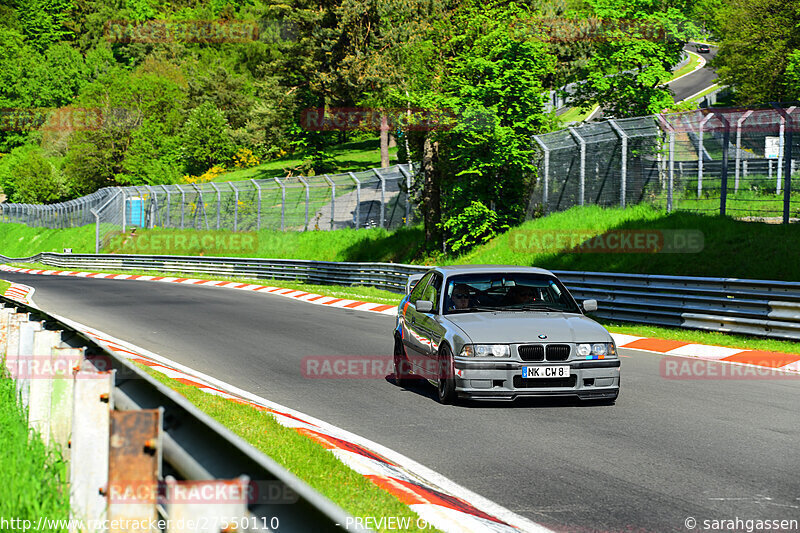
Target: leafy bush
475, 225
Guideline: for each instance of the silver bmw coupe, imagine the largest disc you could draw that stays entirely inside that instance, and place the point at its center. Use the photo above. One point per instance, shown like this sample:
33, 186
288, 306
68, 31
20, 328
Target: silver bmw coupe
502, 332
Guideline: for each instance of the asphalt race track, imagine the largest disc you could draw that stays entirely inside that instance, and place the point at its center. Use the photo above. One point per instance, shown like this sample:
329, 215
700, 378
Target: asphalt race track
668, 450
697, 80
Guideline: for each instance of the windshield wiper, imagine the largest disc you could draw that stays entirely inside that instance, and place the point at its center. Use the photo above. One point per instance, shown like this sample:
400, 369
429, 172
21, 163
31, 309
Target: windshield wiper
477, 308
539, 307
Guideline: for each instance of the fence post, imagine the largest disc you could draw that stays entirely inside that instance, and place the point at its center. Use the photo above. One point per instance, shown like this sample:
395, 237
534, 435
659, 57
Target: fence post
155, 205
582, 142
739, 148
219, 200
235, 206
201, 204
283, 202
383, 197
787, 153
305, 184
183, 203
671, 174
700, 152
357, 215
546, 178
166, 223
258, 216
624, 166
96, 231
726, 133
333, 195
407, 175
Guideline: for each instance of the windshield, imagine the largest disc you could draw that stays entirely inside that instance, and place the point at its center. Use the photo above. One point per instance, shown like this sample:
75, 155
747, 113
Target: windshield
507, 292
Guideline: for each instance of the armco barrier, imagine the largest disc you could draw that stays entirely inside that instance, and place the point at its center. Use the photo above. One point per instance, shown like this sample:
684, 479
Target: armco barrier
756, 307
116, 425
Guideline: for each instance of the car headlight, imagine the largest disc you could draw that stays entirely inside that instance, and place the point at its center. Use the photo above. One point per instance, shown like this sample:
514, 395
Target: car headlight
485, 350
598, 350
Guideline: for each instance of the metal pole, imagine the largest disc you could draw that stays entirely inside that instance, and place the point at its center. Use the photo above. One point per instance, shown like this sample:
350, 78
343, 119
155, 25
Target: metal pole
583, 164
407, 175
235, 206
258, 217
700, 151
546, 178
357, 217
96, 231
671, 178
787, 152
154, 197
166, 222
333, 195
739, 147
305, 183
726, 132
283, 203
219, 201
383, 197
624, 165
201, 204
183, 203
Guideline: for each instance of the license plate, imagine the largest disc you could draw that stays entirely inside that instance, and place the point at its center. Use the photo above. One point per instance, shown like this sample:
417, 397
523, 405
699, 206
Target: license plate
555, 371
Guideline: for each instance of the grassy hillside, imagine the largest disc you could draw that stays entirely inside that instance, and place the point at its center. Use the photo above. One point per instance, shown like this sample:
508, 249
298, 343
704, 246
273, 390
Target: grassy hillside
729, 248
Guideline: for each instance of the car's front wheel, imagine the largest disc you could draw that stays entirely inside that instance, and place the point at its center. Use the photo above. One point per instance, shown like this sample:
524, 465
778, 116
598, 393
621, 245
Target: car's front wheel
402, 367
446, 381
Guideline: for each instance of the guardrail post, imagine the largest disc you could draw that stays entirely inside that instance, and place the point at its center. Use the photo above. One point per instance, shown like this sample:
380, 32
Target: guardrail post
219, 201
27, 331
383, 197
283, 202
739, 147
40, 386
88, 467
700, 151
786, 153
546, 178
305, 184
134, 466
333, 197
582, 143
258, 216
357, 214
66, 362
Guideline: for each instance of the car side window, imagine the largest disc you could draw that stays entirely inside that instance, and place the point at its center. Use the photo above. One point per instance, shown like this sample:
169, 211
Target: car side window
416, 294
433, 290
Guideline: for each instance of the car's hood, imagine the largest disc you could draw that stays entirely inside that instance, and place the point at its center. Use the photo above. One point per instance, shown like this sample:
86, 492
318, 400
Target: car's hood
519, 327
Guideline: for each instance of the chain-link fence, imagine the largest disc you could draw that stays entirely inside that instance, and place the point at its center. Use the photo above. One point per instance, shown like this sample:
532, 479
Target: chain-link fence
729, 161
372, 198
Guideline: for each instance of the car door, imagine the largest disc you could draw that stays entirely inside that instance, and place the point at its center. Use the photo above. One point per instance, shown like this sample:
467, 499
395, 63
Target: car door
413, 339
429, 327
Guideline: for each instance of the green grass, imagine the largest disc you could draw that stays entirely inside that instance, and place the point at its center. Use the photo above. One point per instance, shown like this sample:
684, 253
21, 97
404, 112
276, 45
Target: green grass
349, 157
4, 285
694, 60
575, 114
19, 240
302, 456
34, 477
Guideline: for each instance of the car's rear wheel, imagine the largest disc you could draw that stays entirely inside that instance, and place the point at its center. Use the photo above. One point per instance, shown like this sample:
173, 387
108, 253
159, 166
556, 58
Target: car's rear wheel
402, 367
446, 381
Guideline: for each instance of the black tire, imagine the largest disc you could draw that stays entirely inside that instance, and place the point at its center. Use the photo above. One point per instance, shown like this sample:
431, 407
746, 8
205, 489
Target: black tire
402, 368
446, 381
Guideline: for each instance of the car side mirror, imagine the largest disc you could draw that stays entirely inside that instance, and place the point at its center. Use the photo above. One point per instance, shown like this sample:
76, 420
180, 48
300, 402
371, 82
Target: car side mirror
590, 305
424, 306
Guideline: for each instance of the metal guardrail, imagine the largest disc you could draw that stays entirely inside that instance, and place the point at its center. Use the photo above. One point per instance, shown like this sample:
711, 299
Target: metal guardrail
195, 446
754, 307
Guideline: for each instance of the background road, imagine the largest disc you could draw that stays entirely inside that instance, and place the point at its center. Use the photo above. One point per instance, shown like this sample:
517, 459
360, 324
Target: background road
697, 80
668, 450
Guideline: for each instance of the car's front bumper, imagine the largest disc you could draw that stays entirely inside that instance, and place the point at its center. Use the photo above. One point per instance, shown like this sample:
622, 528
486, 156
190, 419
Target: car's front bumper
493, 380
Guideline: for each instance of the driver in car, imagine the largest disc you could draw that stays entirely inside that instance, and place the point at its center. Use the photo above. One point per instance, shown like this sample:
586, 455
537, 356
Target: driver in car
461, 298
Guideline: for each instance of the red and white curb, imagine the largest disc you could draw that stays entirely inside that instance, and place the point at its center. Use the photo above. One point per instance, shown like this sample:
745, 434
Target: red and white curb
762, 359
439, 502
19, 292
309, 297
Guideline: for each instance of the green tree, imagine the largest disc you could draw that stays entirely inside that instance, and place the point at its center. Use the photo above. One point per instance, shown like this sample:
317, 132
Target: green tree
35, 180
635, 48
758, 39
44, 22
205, 139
